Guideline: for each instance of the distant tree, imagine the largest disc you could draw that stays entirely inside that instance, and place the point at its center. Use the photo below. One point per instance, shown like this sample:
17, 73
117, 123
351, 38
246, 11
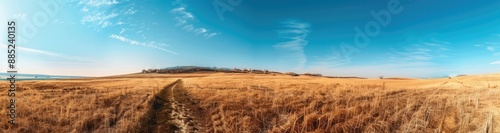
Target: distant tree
266, 71
292, 74
381, 77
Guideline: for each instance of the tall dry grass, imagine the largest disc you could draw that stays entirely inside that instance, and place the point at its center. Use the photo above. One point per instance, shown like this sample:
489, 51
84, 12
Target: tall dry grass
261, 103
94, 105
282, 104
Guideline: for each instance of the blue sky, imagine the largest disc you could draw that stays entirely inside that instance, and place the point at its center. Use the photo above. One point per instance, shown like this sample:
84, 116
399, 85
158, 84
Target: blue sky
410, 38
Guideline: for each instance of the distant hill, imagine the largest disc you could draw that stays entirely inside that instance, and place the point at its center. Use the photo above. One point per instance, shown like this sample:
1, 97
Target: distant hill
191, 69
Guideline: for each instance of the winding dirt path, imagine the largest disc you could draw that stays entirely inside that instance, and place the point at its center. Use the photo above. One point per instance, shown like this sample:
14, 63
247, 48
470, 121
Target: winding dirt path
167, 115
179, 113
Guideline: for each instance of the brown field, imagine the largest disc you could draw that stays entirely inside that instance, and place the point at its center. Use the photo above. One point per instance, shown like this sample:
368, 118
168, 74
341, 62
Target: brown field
242, 102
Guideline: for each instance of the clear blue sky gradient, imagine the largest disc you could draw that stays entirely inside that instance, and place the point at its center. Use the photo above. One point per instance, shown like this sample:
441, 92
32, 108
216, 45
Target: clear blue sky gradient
106, 37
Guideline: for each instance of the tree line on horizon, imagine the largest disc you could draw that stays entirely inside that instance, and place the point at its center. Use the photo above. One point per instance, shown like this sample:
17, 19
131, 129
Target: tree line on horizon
191, 69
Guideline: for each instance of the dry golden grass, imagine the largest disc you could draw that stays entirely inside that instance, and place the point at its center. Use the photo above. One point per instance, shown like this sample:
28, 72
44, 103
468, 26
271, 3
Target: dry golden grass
254, 103
241, 103
99, 105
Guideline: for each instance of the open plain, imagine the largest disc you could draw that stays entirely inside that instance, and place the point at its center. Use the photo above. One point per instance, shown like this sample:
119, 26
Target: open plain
245, 102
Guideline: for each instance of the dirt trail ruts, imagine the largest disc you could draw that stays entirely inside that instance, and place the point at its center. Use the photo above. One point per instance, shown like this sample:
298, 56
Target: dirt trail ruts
167, 115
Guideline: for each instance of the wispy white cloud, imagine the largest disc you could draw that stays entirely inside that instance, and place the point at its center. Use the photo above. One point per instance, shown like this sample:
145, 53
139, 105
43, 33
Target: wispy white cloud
123, 30
210, 35
188, 27
495, 63
422, 52
200, 31
100, 19
50, 53
85, 9
183, 13
332, 60
297, 32
100, 14
490, 48
413, 60
408, 69
155, 45
98, 3
130, 11
120, 23
416, 60
185, 20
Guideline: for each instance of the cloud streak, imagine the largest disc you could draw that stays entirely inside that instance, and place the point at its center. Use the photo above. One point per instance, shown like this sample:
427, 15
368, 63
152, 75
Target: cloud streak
155, 45
98, 3
422, 52
49, 53
330, 61
185, 20
409, 69
297, 33
489, 46
495, 63
416, 60
100, 14
103, 20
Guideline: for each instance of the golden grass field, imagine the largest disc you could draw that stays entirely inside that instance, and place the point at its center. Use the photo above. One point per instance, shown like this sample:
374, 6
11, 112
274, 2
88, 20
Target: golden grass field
252, 103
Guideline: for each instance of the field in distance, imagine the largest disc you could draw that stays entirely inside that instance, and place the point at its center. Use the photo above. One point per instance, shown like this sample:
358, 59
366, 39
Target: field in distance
246, 102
